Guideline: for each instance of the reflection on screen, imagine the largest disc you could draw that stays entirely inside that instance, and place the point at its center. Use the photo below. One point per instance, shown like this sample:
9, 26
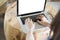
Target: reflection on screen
28, 6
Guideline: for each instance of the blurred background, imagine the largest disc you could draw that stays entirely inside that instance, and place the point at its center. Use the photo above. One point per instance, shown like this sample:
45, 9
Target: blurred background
3, 6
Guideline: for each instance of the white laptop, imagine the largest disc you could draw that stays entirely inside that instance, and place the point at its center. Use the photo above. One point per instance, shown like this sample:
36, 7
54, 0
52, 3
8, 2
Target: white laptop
29, 9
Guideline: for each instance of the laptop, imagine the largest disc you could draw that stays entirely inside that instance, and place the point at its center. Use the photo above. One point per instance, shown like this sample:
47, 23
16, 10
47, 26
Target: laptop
29, 9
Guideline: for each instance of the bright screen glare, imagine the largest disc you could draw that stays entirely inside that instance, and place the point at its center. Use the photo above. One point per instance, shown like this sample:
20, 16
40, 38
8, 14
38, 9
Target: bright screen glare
29, 6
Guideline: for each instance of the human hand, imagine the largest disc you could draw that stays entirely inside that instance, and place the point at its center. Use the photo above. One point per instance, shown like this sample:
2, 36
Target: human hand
30, 27
42, 20
29, 24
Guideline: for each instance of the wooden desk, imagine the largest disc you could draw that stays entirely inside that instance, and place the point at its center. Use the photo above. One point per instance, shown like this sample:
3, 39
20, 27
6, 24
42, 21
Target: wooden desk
52, 8
2, 2
2, 6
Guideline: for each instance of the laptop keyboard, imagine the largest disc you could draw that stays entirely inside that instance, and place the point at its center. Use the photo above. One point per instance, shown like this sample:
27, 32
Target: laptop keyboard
31, 17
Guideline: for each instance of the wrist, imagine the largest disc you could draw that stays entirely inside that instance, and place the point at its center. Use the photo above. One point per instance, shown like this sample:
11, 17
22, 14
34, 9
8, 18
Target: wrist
30, 31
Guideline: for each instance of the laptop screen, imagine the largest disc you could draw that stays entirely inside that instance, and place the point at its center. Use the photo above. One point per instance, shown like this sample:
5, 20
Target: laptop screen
30, 6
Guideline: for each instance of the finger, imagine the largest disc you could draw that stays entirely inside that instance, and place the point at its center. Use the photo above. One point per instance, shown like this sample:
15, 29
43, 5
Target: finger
26, 21
38, 21
31, 21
